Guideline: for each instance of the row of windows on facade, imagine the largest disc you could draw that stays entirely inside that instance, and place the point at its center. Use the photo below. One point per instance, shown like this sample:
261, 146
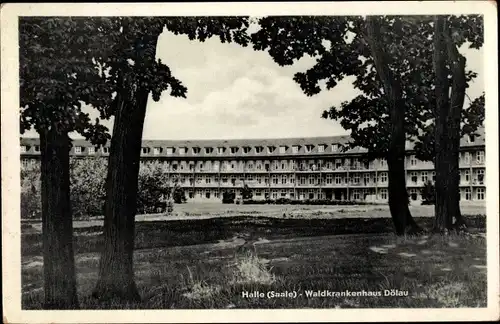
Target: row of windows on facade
207, 150
466, 157
285, 179
356, 194
337, 164
354, 178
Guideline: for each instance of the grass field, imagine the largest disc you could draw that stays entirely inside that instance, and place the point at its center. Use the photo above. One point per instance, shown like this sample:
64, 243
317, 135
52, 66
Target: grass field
195, 262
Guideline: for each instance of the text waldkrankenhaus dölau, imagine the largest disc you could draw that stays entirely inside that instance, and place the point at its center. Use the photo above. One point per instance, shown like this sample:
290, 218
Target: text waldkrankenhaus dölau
324, 293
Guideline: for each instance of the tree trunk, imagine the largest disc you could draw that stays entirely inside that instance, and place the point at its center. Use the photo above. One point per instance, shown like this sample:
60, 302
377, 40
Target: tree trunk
447, 116
116, 275
398, 196
57, 222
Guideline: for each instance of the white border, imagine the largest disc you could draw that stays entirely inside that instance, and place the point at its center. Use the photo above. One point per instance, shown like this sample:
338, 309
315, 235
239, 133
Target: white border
11, 164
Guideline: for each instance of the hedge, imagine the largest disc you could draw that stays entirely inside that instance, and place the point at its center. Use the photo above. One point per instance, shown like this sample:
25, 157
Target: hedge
286, 201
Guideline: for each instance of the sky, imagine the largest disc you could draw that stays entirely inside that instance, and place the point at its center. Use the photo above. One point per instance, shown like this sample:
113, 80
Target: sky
236, 92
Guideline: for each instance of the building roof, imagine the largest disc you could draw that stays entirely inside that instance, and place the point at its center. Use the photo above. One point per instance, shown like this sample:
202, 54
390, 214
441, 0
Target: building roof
326, 145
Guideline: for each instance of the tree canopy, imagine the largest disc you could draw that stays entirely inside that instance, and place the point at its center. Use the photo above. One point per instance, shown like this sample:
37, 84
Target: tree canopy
341, 49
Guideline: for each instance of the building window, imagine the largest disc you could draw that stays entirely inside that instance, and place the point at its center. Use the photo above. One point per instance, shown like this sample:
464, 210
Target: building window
355, 178
196, 150
366, 179
250, 177
382, 163
413, 160
209, 150
414, 177
424, 177
309, 148
23, 148
467, 176
182, 150
208, 180
335, 147
311, 179
433, 176
275, 179
480, 157
283, 193
383, 194
413, 194
91, 150
259, 149
37, 148
321, 148
270, 149
258, 192
383, 177
105, 150
468, 194
282, 149
467, 158
295, 149
145, 150
329, 178
275, 194
355, 195
338, 179
78, 149
246, 149
480, 193
234, 150
480, 176
283, 179
170, 150
24, 163
220, 150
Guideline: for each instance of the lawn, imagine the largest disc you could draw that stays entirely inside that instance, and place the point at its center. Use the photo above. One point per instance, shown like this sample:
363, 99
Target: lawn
196, 263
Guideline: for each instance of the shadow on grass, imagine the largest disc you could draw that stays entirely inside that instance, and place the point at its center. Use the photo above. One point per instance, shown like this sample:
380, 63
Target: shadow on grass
153, 234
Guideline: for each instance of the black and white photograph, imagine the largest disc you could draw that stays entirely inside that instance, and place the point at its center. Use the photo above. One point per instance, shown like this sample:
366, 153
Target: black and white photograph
284, 159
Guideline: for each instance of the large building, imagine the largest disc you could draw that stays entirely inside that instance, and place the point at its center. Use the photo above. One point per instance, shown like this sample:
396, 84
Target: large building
295, 168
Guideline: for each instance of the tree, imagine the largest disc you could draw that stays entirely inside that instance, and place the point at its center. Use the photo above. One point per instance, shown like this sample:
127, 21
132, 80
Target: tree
368, 49
136, 73
390, 59
439, 141
56, 76
246, 192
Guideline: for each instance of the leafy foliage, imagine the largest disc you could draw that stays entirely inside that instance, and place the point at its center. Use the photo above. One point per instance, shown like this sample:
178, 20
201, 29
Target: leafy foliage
88, 178
58, 75
154, 190
178, 193
340, 47
31, 199
428, 194
228, 197
246, 192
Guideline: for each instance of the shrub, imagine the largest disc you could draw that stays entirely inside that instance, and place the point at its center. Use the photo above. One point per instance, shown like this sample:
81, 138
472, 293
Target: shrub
88, 193
154, 194
88, 179
31, 198
286, 201
246, 193
428, 194
178, 194
228, 197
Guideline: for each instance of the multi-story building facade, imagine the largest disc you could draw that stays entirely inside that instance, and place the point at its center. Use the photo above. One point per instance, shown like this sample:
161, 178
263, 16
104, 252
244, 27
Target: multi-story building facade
295, 168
